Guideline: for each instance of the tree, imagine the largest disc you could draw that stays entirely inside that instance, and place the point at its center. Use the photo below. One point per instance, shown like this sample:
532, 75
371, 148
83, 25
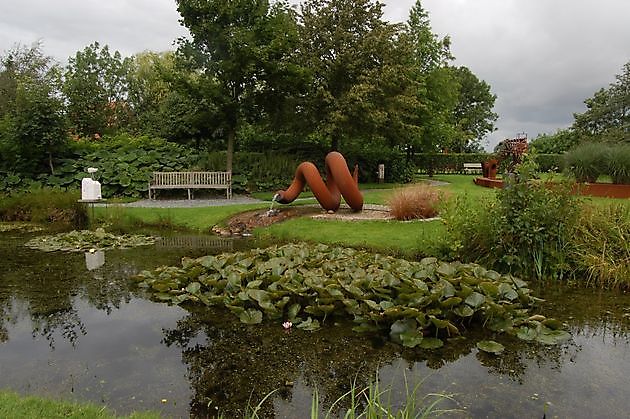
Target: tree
608, 112
32, 121
473, 115
436, 87
357, 81
559, 142
242, 51
96, 86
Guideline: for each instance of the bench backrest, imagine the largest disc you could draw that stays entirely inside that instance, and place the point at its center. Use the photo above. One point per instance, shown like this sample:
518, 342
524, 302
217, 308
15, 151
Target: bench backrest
191, 178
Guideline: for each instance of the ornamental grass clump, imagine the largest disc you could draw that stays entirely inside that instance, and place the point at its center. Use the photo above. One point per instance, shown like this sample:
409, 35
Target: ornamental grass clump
602, 246
619, 164
415, 202
587, 162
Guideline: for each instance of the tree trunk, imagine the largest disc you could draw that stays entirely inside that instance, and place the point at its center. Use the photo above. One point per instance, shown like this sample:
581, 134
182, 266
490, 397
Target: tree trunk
230, 149
50, 163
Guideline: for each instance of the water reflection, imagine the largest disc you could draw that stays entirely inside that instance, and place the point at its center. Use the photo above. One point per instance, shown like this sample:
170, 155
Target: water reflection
94, 259
69, 329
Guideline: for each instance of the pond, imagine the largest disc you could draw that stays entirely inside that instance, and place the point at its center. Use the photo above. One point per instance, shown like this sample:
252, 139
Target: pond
73, 326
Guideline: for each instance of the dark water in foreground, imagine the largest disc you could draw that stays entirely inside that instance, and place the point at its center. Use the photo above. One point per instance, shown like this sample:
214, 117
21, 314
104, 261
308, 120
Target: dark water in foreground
72, 329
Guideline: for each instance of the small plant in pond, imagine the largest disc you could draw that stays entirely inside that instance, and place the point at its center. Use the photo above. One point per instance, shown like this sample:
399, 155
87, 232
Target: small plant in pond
413, 202
415, 303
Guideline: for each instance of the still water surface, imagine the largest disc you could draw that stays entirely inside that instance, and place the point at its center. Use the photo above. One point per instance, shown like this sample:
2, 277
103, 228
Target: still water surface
72, 326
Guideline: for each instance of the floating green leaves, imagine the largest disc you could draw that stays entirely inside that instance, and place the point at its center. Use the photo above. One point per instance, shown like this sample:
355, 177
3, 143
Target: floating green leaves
416, 303
85, 240
19, 226
490, 346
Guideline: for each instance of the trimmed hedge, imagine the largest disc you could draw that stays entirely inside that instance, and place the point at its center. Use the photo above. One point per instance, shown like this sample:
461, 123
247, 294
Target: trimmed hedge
453, 163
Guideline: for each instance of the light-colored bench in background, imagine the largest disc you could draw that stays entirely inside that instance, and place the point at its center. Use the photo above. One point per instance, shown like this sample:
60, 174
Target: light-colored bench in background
472, 167
191, 180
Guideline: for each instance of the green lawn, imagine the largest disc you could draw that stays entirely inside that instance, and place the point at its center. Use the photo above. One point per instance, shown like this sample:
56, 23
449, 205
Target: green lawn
409, 238
415, 238
13, 405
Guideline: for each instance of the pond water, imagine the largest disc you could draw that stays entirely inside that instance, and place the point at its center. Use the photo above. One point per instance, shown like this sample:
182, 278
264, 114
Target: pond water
72, 326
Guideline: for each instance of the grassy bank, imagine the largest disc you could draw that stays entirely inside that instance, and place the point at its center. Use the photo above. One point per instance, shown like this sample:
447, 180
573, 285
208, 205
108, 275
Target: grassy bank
415, 238
15, 406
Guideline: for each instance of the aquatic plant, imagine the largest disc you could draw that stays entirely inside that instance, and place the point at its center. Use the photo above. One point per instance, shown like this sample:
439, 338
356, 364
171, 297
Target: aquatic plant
417, 303
86, 240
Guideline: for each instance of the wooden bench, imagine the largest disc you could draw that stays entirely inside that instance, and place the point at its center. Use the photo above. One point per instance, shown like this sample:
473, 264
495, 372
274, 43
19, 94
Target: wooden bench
191, 180
472, 167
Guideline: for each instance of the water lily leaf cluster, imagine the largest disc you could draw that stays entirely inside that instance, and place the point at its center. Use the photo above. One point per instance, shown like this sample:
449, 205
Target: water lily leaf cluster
86, 240
417, 303
19, 226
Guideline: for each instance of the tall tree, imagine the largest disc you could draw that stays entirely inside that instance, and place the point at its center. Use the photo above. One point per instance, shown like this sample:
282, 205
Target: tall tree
96, 86
473, 115
437, 90
356, 79
242, 50
32, 121
608, 112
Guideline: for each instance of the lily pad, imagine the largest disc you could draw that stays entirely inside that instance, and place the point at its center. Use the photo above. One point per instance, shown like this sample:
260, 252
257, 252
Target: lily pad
251, 316
490, 346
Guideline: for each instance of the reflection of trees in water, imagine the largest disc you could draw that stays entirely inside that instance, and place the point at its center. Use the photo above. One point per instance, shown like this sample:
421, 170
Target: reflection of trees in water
230, 363
46, 287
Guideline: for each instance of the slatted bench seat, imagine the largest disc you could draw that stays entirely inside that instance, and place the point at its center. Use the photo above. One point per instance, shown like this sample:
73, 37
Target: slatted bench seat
472, 167
191, 180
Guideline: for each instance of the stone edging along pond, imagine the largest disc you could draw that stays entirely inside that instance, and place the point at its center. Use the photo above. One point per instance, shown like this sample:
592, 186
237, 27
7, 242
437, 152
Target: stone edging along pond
605, 190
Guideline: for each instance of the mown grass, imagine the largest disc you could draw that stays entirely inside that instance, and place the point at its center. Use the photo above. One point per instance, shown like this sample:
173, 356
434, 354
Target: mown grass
198, 219
412, 238
15, 406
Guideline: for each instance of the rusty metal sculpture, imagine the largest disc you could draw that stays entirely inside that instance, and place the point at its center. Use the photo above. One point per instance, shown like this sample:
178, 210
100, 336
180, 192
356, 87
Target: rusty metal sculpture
512, 149
339, 182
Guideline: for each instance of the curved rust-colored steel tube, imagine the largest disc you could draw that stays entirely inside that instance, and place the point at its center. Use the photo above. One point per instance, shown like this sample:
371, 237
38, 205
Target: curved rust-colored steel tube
339, 182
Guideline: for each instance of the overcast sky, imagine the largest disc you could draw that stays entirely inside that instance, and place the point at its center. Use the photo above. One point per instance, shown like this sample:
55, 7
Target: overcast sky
542, 58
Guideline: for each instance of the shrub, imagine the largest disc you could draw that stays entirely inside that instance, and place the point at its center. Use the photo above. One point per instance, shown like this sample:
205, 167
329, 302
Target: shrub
413, 202
45, 205
528, 230
602, 246
587, 161
619, 164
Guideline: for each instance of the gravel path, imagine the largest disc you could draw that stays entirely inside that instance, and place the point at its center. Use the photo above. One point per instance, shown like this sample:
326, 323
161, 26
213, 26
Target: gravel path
190, 203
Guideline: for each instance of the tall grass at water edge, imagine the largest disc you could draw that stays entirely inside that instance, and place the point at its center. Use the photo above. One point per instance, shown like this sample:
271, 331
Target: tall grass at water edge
373, 402
45, 205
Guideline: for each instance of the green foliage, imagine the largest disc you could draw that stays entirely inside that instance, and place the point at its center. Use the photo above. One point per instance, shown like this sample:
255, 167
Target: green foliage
588, 161
96, 85
243, 53
253, 172
619, 164
86, 240
560, 142
528, 230
32, 120
411, 301
608, 115
44, 206
473, 114
446, 163
549, 162
359, 86
602, 246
